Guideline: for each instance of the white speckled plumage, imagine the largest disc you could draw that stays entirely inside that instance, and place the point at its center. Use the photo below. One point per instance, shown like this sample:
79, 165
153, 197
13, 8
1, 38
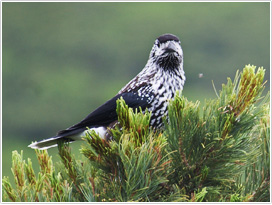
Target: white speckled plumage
159, 83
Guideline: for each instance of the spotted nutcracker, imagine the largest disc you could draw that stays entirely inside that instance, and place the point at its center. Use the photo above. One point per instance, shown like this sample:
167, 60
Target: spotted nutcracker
152, 88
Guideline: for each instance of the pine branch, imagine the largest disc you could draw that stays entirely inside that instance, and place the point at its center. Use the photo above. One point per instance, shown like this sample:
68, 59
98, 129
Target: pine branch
214, 149
47, 186
133, 161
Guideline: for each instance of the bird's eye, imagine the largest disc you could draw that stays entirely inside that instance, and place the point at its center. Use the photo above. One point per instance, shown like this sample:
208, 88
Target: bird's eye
157, 43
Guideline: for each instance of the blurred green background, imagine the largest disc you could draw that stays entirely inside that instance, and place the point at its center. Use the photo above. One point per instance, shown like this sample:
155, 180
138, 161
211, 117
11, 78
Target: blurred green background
62, 60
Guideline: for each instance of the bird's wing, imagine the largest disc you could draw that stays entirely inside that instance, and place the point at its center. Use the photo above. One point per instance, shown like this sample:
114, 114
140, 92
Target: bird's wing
106, 113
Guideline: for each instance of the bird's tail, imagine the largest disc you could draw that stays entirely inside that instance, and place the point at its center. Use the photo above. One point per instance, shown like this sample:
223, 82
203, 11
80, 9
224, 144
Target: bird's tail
45, 144
66, 137
53, 142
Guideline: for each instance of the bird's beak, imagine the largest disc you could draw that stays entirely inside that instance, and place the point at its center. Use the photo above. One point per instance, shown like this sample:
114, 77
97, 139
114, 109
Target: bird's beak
170, 48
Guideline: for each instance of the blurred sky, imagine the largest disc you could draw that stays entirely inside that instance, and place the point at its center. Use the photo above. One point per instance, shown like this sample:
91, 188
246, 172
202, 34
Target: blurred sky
62, 60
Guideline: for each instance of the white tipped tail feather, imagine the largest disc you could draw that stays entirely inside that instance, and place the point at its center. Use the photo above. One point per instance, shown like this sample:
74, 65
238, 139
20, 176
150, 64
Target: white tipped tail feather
53, 141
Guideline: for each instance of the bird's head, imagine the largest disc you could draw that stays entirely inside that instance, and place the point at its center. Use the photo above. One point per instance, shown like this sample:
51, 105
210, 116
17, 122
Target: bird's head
167, 52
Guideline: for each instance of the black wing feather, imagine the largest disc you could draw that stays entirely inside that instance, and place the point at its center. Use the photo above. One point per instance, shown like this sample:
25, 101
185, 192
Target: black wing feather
106, 113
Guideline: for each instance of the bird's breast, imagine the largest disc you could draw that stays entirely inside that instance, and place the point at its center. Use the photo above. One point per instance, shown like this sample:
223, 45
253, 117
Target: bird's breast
164, 88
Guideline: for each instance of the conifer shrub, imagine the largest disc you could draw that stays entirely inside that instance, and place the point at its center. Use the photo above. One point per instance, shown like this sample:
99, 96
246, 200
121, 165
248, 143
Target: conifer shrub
219, 152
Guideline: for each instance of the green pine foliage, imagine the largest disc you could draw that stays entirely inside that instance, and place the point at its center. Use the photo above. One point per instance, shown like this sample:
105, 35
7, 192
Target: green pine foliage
220, 152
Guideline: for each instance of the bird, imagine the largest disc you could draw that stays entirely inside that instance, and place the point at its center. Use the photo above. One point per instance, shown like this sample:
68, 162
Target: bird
151, 89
